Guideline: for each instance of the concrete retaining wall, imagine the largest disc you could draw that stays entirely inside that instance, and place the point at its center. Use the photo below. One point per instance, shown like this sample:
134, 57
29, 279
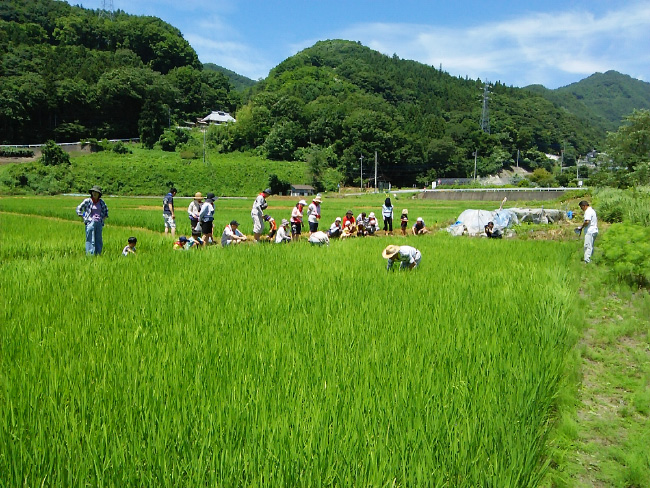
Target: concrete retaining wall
494, 195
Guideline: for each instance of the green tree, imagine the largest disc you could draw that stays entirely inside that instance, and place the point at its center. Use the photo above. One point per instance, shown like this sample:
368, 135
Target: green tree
53, 155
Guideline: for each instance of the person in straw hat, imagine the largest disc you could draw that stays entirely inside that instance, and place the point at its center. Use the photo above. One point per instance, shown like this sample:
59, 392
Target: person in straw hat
282, 235
194, 209
407, 256
313, 214
296, 220
257, 213
94, 212
404, 220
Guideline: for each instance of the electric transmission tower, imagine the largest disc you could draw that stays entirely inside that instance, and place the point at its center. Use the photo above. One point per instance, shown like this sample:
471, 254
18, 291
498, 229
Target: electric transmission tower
107, 9
485, 114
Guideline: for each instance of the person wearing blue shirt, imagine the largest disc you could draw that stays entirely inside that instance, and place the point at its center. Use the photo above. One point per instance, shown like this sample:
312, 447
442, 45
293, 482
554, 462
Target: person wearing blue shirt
94, 212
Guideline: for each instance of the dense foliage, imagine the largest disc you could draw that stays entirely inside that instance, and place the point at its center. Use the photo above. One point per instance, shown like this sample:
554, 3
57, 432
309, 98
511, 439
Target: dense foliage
70, 73
351, 101
602, 98
238, 82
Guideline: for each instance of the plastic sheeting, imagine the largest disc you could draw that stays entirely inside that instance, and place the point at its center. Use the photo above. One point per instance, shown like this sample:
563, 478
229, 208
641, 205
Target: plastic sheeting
473, 222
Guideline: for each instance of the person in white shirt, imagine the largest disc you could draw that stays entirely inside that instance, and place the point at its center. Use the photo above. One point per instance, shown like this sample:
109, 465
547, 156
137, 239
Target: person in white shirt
257, 213
313, 214
231, 235
407, 256
206, 218
335, 229
373, 224
319, 238
282, 235
296, 220
590, 229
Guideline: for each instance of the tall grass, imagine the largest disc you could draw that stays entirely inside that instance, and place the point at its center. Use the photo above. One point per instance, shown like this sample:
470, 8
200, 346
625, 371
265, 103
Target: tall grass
277, 365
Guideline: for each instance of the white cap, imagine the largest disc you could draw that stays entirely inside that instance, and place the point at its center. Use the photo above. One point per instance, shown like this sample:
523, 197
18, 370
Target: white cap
372, 214
302, 202
420, 219
337, 219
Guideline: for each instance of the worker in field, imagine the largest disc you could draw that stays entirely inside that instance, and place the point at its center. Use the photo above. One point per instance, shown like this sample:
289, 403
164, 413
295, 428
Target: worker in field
491, 232
130, 246
94, 212
168, 212
206, 218
407, 256
404, 220
387, 213
232, 235
313, 214
590, 228
335, 229
349, 230
283, 235
362, 223
319, 238
349, 217
193, 211
257, 213
296, 220
373, 224
419, 228
273, 227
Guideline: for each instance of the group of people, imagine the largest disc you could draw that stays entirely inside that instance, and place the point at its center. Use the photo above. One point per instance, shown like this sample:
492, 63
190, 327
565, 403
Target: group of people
94, 212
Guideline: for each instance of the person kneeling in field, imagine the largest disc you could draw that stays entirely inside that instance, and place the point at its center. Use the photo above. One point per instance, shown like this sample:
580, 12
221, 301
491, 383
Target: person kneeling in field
407, 256
130, 247
350, 230
373, 224
419, 228
180, 243
195, 241
319, 238
282, 235
231, 234
335, 229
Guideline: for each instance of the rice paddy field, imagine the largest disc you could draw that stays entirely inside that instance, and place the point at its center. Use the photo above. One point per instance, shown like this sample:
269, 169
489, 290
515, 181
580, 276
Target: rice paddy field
276, 365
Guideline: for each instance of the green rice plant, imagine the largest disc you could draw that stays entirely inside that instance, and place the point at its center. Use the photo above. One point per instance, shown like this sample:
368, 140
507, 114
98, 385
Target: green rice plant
277, 365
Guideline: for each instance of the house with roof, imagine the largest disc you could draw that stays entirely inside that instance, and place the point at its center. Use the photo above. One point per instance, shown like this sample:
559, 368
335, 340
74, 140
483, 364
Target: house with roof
301, 190
218, 117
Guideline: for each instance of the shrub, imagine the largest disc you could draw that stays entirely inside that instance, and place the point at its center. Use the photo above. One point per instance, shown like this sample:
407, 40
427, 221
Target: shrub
7, 152
53, 155
633, 205
626, 250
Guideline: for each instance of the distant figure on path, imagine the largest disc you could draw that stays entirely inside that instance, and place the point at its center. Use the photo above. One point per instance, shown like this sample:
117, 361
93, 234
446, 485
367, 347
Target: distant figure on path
407, 256
257, 213
168, 211
590, 228
94, 212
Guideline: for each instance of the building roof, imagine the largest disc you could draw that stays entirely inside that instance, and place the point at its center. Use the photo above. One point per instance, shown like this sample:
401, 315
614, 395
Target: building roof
219, 117
302, 187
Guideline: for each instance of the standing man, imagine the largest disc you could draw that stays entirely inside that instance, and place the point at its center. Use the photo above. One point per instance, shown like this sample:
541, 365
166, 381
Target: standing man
206, 217
296, 220
313, 214
168, 211
257, 213
94, 211
590, 228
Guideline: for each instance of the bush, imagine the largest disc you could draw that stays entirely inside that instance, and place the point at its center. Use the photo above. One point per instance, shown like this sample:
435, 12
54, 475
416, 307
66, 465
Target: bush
7, 152
633, 205
53, 155
626, 250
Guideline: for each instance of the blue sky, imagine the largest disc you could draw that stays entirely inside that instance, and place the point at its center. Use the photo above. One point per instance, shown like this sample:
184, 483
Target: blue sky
550, 42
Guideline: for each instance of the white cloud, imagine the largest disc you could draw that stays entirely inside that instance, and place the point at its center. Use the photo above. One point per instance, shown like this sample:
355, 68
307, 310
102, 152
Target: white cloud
546, 48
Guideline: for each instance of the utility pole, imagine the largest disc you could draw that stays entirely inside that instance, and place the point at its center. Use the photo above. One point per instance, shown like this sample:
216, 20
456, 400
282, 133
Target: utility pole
106, 9
204, 145
361, 159
375, 171
475, 155
517, 158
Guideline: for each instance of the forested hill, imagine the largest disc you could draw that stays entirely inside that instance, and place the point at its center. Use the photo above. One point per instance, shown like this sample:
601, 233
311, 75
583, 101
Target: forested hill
602, 98
340, 100
238, 82
69, 73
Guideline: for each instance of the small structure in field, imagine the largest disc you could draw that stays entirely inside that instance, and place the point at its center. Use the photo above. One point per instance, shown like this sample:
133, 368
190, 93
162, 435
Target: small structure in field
301, 190
218, 117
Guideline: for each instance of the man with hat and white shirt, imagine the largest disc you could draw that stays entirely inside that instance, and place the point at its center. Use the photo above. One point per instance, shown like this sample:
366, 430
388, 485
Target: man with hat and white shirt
313, 213
335, 229
590, 229
296, 220
407, 256
419, 228
257, 213
282, 235
232, 235
94, 211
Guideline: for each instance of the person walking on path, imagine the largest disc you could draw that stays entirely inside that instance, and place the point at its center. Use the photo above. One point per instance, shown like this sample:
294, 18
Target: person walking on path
257, 213
590, 228
313, 214
94, 212
168, 211
206, 217
387, 213
194, 209
296, 220
407, 256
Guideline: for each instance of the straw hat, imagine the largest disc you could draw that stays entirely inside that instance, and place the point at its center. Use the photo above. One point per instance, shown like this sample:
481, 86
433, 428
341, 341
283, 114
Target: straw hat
390, 251
372, 215
198, 196
405, 211
317, 199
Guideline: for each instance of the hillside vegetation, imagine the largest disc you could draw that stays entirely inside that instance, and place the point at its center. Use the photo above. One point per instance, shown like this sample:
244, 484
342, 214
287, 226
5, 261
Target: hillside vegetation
603, 99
